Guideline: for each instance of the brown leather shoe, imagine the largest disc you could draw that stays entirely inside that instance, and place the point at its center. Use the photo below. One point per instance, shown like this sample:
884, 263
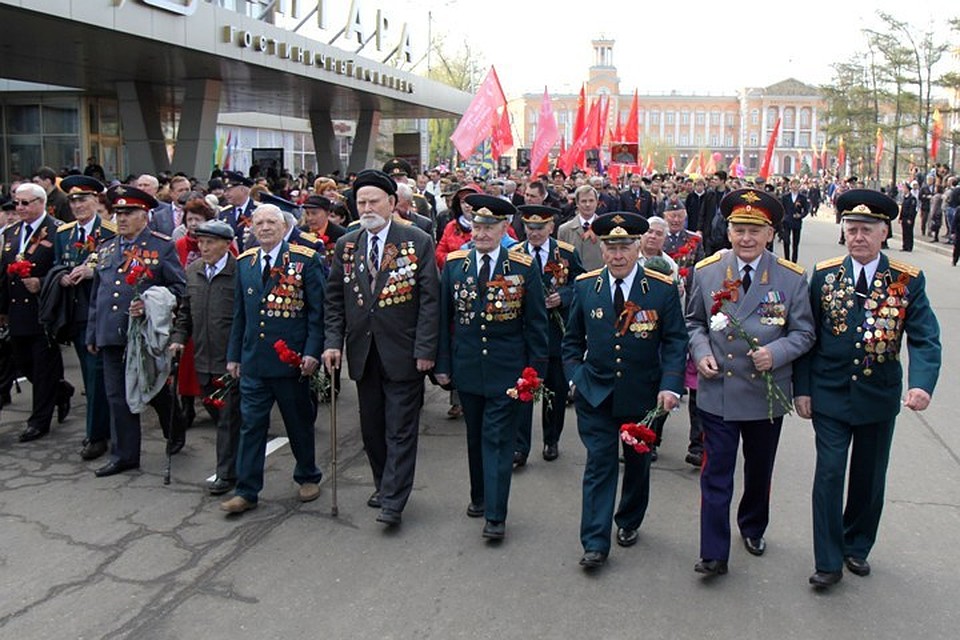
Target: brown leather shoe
309, 491
236, 504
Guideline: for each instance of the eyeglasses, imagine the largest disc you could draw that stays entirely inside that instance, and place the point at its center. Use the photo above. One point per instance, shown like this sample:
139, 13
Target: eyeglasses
25, 203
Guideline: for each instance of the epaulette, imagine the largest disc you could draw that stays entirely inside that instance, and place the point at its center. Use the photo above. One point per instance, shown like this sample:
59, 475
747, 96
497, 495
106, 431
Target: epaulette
656, 275
306, 251
309, 236
157, 234
459, 254
708, 261
793, 266
399, 219
354, 225
909, 269
566, 246
66, 226
522, 257
829, 264
589, 274
109, 225
249, 252
226, 208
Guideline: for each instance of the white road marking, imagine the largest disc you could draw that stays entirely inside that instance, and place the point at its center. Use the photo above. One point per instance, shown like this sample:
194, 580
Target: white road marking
272, 446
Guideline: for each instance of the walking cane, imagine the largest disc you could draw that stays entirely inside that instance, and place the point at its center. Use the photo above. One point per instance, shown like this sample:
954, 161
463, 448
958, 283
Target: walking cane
174, 409
334, 392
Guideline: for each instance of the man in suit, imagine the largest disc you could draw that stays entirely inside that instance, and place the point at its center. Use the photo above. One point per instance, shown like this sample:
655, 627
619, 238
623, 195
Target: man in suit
713, 239
851, 383
57, 204
623, 353
576, 231
382, 300
239, 209
34, 354
206, 315
279, 295
559, 266
636, 199
113, 301
908, 215
795, 208
76, 248
161, 217
493, 324
769, 300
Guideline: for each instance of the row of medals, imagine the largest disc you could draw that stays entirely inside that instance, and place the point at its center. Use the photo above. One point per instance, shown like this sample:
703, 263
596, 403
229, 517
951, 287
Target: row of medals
644, 321
773, 312
503, 306
400, 287
288, 297
837, 302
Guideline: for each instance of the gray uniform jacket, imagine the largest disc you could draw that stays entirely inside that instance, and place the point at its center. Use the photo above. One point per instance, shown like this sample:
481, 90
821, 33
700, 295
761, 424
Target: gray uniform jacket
206, 315
776, 311
589, 248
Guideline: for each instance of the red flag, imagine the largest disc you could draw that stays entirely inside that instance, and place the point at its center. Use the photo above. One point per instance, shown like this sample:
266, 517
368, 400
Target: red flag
618, 132
547, 132
702, 165
613, 172
631, 132
935, 137
480, 116
879, 156
604, 120
841, 156
823, 154
649, 168
502, 141
575, 153
671, 165
691, 167
579, 124
768, 158
593, 138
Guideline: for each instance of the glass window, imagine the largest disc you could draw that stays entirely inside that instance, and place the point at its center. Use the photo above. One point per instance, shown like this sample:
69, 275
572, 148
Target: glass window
684, 117
772, 114
715, 118
804, 140
93, 119
25, 155
654, 117
752, 163
670, 117
60, 118
714, 140
805, 118
701, 117
729, 141
670, 138
787, 138
753, 140
699, 140
754, 116
23, 118
684, 139
62, 151
109, 118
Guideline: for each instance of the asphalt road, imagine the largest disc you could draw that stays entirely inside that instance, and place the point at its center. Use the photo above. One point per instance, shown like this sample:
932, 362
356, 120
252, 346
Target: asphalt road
126, 557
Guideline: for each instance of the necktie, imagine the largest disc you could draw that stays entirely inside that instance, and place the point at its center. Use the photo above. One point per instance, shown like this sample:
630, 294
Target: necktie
211, 271
586, 227
82, 235
484, 271
27, 232
618, 297
536, 256
861, 287
266, 269
374, 257
746, 281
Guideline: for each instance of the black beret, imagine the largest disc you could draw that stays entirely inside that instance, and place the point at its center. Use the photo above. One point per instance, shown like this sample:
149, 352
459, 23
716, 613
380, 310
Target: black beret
374, 178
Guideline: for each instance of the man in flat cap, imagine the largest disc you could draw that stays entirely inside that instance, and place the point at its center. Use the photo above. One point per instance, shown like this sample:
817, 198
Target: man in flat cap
382, 301
559, 266
624, 353
238, 211
851, 383
76, 248
493, 324
206, 315
768, 298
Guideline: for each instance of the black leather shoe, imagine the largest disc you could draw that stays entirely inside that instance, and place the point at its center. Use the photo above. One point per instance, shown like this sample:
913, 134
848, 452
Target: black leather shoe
374, 500
695, 459
114, 467
550, 452
857, 566
389, 517
755, 546
627, 537
519, 459
475, 510
174, 446
93, 450
220, 486
63, 403
31, 433
494, 530
711, 567
824, 579
593, 559
653, 454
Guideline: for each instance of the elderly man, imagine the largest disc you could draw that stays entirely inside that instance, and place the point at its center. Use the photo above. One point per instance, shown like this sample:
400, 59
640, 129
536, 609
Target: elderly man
684, 247
382, 301
493, 324
405, 209
239, 208
161, 217
206, 315
851, 383
559, 266
113, 299
576, 231
768, 298
76, 248
652, 242
29, 244
57, 204
623, 353
279, 296
636, 199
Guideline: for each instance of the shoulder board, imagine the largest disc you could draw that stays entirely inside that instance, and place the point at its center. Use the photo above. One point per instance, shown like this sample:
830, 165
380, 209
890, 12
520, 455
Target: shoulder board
249, 252
793, 266
302, 250
909, 269
157, 234
829, 264
521, 257
459, 254
656, 275
227, 207
517, 247
708, 261
419, 196
566, 246
403, 222
66, 226
308, 236
354, 225
589, 274
109, 225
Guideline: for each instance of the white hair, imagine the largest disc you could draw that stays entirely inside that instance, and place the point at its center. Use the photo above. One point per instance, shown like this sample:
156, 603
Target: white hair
151, 179
657, 220
36, 190
270, 209
404, 192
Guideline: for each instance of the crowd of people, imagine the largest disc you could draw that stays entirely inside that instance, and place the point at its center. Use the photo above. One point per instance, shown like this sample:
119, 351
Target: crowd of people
249, 292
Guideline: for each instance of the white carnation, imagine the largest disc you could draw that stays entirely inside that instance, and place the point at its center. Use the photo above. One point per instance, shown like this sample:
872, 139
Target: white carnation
719, 322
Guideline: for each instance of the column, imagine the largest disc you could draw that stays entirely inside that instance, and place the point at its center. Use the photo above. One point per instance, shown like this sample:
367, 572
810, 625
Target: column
197, 133
142, 133
325, 141
365, 142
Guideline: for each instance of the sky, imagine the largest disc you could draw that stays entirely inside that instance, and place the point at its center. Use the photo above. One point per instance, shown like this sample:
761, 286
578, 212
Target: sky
696, 46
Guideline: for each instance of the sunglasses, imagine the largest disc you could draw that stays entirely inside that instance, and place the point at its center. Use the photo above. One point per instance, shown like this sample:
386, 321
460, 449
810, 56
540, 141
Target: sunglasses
25, 203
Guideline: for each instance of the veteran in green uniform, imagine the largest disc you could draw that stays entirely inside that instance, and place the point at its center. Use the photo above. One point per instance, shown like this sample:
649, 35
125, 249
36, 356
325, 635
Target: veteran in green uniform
624, 352
493, 324
851, 383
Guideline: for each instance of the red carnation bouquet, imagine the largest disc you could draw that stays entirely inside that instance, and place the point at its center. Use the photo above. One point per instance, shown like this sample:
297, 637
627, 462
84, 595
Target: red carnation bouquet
529, 388
685, 255
20, 268
222, 385
137, 275
319, 381
640, 435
